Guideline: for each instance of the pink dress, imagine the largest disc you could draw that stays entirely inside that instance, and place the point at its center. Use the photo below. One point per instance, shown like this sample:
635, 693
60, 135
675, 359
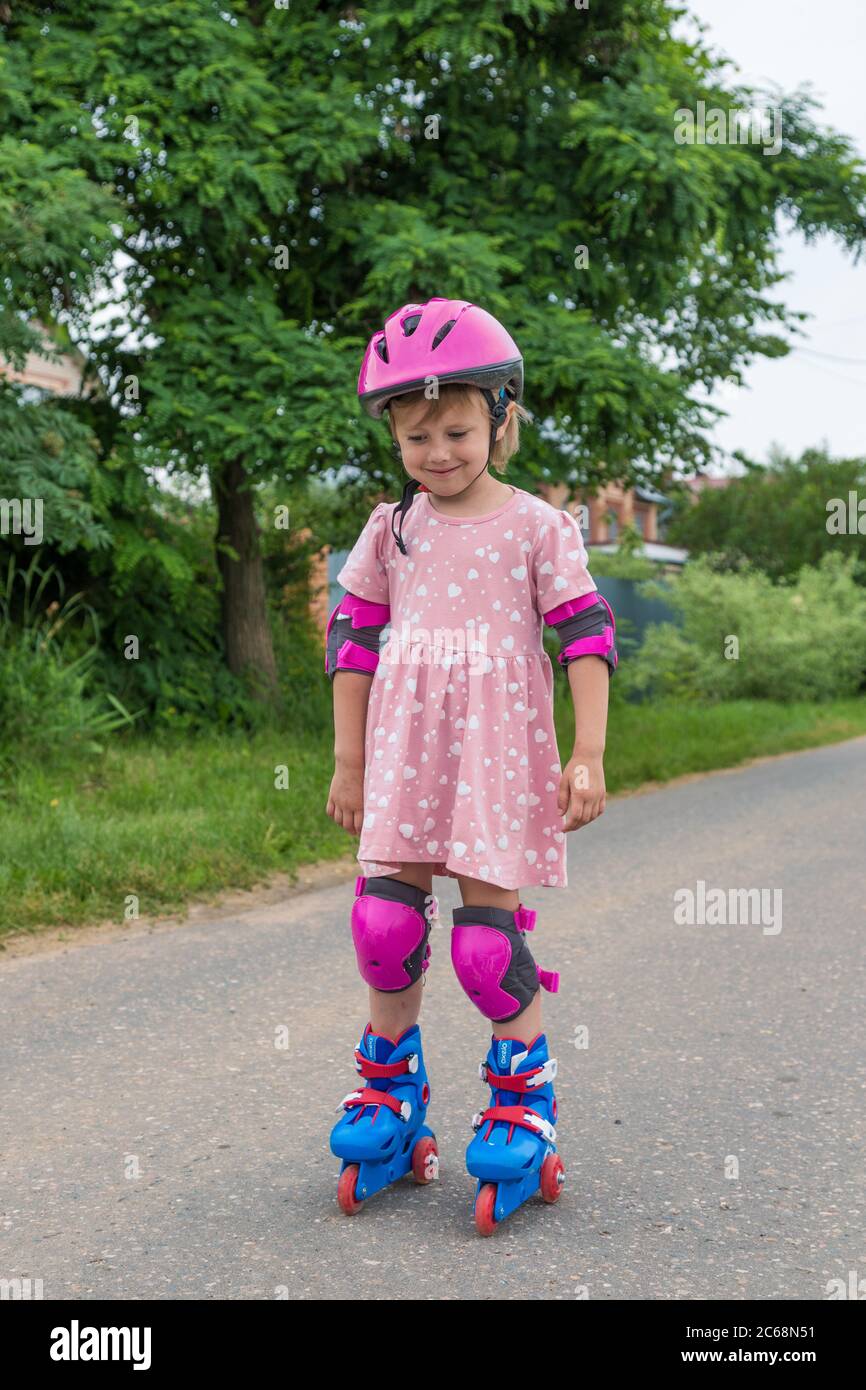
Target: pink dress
461, 763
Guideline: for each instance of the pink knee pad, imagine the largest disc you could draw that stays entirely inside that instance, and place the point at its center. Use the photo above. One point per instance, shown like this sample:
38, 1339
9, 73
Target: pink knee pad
493, 962
391, 922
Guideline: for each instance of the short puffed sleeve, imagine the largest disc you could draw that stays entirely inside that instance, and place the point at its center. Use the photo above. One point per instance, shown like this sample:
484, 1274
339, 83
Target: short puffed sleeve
559, 562
365, 572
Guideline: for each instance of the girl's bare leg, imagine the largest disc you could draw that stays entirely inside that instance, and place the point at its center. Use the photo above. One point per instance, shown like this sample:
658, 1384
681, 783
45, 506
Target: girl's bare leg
476, 893
391, 1013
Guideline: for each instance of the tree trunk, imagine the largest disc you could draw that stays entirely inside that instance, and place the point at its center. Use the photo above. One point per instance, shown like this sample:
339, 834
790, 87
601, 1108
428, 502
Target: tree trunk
246, 633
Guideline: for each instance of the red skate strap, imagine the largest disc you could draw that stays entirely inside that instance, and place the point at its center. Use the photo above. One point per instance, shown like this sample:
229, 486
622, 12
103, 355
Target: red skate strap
501, 1082
372, 1069
512, 1114
371, 1097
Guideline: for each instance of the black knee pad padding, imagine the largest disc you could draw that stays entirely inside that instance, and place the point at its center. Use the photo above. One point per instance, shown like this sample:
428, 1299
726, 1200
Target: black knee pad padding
396, 890
520, 979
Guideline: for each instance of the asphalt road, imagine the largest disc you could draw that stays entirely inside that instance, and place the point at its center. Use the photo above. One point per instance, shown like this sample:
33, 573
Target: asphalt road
156, 1142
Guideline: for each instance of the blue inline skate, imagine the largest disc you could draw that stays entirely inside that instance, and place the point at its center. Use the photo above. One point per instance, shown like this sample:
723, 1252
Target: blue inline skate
382, 1134
513, 1154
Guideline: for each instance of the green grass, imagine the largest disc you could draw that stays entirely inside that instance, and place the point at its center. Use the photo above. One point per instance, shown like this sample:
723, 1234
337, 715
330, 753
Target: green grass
166, 822
657, 741
186, 817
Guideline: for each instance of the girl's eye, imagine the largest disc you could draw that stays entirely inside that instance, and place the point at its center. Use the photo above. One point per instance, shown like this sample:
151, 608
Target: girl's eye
455, 434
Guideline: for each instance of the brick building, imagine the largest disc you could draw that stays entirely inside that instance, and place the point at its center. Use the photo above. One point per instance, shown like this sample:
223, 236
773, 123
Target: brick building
61, 378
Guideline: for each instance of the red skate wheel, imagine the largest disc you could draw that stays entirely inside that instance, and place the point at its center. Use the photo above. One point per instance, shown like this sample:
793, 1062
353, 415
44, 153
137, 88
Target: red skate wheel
346, 1190
425, 1160
552, 1178
485, 1203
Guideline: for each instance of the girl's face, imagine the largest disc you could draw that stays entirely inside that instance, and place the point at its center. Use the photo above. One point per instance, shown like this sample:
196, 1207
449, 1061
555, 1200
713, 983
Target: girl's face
446, 453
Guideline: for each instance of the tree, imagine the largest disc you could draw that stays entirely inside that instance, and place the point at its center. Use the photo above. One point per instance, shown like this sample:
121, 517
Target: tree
286, 175
775, 517
56, 249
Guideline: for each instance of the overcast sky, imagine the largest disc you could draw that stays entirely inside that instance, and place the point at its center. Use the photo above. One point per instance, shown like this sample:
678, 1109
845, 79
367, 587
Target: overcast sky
809, 397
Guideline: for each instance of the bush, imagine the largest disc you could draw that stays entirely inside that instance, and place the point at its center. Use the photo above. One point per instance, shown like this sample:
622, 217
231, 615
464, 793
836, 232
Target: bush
46, 667
774, 517
804, 640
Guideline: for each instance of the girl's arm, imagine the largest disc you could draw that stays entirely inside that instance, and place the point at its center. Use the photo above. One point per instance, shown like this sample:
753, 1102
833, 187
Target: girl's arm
581, 796
589, 680
586, 628
351, 697
346, 796
351, 658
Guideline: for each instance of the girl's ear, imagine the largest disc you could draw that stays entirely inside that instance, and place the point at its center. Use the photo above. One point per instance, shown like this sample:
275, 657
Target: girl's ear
509, 411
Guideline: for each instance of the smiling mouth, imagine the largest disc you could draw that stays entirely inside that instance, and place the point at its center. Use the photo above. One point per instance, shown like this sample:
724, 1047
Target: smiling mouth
440, 472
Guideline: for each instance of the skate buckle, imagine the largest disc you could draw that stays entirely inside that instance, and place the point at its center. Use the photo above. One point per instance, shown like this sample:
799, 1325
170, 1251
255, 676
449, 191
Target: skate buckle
353, 1095
477, 1120
405, 1110
482, 1070
412, 1062
546, 1073
543, 1126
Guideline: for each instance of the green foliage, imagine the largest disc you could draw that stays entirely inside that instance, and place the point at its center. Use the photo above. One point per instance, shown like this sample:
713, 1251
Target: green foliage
57, 225
804, 640
170, 818
159, 586
50, 456
624, 562
47, 659
272, 182
290, 521
304, 687
776, 516
355, 142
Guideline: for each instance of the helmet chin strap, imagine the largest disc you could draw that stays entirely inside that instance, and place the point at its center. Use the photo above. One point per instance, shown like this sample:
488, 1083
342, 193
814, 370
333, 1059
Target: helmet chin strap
498, 414
468, 485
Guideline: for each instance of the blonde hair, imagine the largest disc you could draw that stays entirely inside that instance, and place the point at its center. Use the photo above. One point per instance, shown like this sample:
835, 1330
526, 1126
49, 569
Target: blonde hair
462, 393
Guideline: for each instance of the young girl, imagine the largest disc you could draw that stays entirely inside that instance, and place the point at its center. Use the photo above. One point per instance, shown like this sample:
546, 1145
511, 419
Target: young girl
445, 748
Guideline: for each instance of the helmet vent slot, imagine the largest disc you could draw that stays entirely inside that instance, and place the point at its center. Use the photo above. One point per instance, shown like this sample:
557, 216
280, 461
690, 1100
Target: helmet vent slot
443, 332
410, 323
382, 348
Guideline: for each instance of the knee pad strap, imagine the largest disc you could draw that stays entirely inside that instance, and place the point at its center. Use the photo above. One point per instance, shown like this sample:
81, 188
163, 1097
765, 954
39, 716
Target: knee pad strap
493, 962
391, 922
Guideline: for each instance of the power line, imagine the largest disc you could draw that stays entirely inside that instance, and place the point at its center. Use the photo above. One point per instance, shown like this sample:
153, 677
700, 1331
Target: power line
819, 367
832, 356
842, 323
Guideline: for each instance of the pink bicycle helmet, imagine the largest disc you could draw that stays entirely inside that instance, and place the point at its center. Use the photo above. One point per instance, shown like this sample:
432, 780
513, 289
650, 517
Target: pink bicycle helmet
450, 340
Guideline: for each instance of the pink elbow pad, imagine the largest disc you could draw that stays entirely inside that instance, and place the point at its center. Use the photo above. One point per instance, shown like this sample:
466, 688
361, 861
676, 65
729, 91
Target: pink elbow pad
572, 606
584, 629
352, 635
598, 645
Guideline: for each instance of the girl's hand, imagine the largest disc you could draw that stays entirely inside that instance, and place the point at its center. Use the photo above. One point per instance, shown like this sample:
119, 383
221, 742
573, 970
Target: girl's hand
581, 796
346, 797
